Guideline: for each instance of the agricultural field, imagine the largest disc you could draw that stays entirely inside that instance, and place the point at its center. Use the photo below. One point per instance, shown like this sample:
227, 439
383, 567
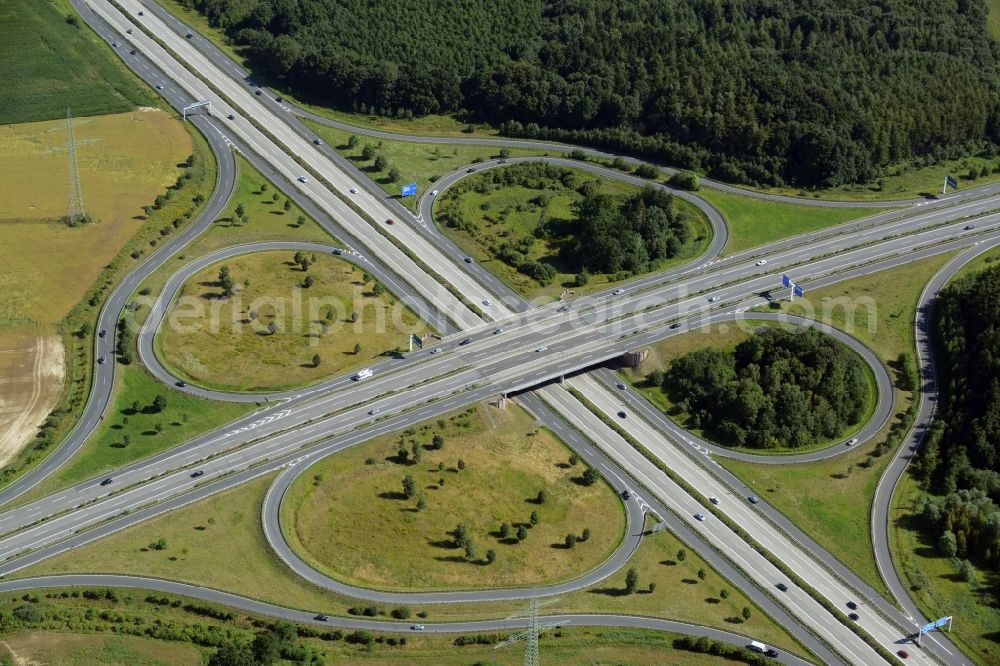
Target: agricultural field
282, 326
40, 47
32, 368
67, 649
490, 469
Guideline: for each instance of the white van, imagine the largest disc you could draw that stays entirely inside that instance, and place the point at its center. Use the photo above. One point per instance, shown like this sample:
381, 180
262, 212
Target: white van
758, 647
363, 374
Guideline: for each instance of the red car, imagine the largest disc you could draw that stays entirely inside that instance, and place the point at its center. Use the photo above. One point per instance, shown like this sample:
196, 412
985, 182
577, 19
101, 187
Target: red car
390, 221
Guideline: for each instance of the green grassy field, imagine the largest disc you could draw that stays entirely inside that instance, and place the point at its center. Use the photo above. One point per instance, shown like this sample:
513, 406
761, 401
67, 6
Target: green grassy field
422, 163
80, 649
754, 222
831, 501
184, 418
215, 341
40, 48
331, 510
510, 213
723, 337
993, 18
266, 220
218, 542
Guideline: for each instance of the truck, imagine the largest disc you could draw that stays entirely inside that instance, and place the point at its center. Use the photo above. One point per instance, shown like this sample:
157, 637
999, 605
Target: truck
364, 373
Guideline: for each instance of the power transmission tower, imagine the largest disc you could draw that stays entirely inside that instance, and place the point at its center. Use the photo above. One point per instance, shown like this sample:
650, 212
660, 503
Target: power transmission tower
76, 214
531, 633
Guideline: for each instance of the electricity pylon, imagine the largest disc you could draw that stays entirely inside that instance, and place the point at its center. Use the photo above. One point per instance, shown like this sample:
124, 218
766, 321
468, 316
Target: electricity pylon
76, 215
531, 633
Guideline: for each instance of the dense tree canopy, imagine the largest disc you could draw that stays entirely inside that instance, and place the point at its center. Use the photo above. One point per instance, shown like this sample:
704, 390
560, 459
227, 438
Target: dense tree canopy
960, 458
766, 91
777, 389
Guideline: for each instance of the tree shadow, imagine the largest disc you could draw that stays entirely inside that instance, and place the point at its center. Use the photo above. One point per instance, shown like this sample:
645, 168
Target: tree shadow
451, 558
392, 495
610, 591
689, 581
732, 619
669, 563
711, 600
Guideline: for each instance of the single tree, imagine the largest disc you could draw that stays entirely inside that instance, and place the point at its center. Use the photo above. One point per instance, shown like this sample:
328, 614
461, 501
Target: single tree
461, 464
357, 348
724, 593
438, 442
533, 519
591, 476
631, 581
586, 534
316, 360
470, 550
378, 289
702, 574
272, 328
421, 503
241, 210
681, 555
158, 427
135, 406
308, 282
126, 440
504, 531
522, 532
298, 258
746, 613
288, 205
573, 459
409, 487
368, 152
491, 556
352, 141
570, 540
266, 648
159, 403
394, 175
381, 163
275, 196
263, 188
300, 220
542, 498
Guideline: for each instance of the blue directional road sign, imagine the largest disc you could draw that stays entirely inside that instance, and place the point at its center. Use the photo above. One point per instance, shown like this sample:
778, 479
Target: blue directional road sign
786, 281
952, 183
798, 291
409, 190
931, 626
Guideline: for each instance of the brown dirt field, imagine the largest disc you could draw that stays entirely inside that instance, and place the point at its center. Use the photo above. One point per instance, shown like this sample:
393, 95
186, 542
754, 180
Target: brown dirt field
31, 377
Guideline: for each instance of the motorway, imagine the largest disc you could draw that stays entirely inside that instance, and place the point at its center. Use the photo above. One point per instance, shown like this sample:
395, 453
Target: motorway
579, 333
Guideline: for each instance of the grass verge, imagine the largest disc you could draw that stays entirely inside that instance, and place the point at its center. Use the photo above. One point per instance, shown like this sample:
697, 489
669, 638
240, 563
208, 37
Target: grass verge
753, 222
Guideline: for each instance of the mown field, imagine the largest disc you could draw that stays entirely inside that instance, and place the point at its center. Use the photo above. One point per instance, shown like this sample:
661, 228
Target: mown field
41, 48
225, 342
348, 514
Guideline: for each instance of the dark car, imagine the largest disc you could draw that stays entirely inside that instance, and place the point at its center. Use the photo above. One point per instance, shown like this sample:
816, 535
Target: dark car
338, 252
626, 494
969, 227
469, 170
132, 52
181, 383
468, 260
189, 35
464, 342
390, 221
317, 142
621, 414
903, 654
321, 618
852, 605
771, 652
782, 587
258, 93
675, 325
195, 474
101, 360
107, 482
854, 616
279, 99
102, 333
230, 116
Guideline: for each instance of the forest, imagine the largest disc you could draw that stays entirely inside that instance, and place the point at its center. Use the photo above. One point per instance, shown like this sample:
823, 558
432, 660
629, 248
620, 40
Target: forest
960, 459
779, 388
766, 92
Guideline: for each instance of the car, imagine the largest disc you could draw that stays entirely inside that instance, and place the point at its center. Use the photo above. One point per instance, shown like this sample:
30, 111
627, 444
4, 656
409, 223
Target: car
464, 342
675, 325
129, 31
753, 499
700, 517
317, 142
354, 190
132, 52
189, 35
337, 252
620, 386
279, 99
714, 500
762, 262
321, 617
115, 44
621, 414
498, 331
436, 350
626, 494
390, 221
852, 441
140, 13
434, 193
771, 652
198, 472
487, 302
854, 616
159, 86
374, 411
107, 482
102, 333
303, 179
258, 93
713, 299
417, 627
230, 116
564, 308
782, 587
903, 654
852, 605
469, 170
618, 292
969, 227
541, 349
181, 383
101, 360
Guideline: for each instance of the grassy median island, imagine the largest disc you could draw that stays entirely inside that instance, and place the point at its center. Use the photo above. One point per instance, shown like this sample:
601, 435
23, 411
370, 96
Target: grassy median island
544, 229
356, 516
289, 319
